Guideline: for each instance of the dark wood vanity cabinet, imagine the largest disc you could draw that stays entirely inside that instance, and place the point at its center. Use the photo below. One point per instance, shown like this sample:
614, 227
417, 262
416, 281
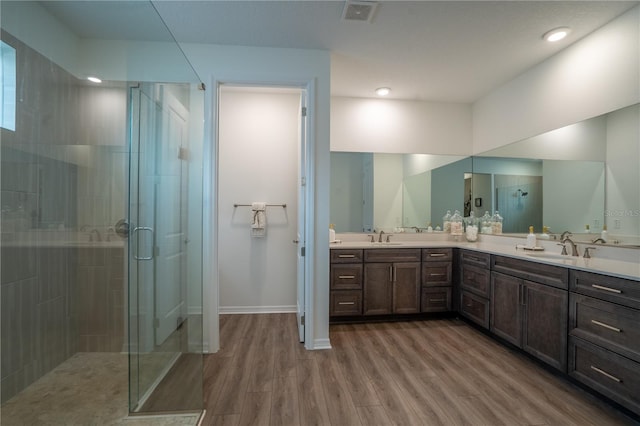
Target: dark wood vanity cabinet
529, 307
436, 280
532, 316
391, 281
346, 278
604, 336
475, 288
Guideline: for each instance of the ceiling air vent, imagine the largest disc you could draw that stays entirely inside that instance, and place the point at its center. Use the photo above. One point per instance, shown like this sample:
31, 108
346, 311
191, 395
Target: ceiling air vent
359, 11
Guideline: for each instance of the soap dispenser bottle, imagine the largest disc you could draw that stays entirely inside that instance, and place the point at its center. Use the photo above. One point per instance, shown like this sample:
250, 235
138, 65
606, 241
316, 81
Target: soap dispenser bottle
545, 233
332, 233
531, 239
604, 234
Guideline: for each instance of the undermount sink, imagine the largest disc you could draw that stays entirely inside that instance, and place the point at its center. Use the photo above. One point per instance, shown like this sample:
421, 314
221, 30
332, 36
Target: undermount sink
386, 243
550, 256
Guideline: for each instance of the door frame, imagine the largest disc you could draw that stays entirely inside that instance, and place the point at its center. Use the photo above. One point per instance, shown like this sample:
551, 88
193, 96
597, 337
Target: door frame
210, 190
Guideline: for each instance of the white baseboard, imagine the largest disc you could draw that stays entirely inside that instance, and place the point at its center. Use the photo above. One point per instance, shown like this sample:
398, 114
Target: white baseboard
194, 310
257, 309
319, 344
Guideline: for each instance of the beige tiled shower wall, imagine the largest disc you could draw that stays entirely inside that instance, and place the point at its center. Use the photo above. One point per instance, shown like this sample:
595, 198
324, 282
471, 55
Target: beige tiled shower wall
57, 301
101, 310
57, 298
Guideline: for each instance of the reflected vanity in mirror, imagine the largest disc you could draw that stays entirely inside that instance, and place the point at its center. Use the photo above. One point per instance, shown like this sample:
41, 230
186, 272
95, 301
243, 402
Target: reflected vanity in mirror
583, 174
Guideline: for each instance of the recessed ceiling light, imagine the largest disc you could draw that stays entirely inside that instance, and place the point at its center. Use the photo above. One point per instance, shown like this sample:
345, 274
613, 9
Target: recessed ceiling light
383, 91
94, 79
556, 34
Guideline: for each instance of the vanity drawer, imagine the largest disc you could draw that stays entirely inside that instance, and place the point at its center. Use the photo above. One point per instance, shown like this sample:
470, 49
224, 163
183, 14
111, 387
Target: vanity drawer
437, 255
475, 308
436, 299
392, 255
346, 256
436, 274
346, 276
476, 280
609, 325
345, 303
481, 260
613, 289
555, 276
610, 374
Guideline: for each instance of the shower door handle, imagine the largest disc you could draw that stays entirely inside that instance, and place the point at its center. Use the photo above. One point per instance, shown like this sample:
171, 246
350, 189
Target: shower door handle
134, 233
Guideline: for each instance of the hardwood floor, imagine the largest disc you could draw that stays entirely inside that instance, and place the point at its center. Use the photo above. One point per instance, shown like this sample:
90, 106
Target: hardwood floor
436, 372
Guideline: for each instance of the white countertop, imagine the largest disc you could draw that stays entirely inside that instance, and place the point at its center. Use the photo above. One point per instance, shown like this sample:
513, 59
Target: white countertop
628, 268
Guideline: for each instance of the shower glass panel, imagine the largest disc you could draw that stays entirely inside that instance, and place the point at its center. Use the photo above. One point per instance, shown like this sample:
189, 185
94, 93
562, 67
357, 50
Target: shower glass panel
165, 295
87, 308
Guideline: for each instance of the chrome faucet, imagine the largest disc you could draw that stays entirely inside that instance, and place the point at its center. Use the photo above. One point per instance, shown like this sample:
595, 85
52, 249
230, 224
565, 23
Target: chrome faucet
380, 236
564, 234
98, 237
586, 252
574, 247
598, 240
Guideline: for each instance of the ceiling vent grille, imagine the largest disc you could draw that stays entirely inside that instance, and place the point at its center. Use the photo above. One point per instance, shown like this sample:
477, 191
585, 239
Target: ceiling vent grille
361, 11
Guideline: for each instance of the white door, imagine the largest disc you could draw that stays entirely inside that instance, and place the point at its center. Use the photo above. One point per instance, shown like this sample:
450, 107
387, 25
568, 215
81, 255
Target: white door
170, 192
301, 231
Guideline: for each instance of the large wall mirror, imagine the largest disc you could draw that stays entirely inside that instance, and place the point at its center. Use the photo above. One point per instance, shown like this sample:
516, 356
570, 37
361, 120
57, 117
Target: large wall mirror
583, 174
375, 191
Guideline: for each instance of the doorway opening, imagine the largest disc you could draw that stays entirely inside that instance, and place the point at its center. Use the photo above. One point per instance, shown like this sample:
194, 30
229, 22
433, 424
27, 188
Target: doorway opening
262, 158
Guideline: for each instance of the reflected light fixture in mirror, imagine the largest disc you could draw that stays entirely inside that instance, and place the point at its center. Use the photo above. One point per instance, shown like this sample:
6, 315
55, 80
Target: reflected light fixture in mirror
94, 79
556, 34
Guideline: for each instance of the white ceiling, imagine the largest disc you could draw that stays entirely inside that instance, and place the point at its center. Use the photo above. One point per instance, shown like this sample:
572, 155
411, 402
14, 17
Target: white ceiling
447, 51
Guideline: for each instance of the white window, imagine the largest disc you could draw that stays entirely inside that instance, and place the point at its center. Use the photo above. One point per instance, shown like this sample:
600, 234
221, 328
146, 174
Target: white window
8, 87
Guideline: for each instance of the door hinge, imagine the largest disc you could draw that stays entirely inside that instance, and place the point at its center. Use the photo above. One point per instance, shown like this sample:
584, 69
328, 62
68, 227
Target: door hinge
302, 251
303, 181
302, 320
156, 323
304, 111
183, 153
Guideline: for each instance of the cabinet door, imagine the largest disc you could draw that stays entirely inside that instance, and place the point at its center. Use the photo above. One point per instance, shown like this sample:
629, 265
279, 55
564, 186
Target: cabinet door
506, 312
377, 288
545, 323
406, 288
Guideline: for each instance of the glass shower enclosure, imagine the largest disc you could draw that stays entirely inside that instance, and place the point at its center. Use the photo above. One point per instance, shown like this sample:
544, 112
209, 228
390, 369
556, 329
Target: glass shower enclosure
101, 216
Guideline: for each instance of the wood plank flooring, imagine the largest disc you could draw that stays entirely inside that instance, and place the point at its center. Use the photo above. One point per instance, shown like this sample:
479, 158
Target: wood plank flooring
436, 372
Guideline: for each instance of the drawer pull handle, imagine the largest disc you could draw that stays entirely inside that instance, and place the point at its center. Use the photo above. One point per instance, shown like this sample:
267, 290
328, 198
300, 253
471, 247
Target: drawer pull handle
437, 300
612, 290
607, 326
437, 255
604, 373
436, 275
346, 303
346, 256
346, 277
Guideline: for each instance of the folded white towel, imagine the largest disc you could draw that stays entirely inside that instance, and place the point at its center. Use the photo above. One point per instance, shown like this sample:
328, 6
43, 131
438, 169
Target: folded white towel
258, 219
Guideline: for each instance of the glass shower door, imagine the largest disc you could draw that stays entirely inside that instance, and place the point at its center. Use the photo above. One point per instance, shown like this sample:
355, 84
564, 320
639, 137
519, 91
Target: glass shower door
165, 348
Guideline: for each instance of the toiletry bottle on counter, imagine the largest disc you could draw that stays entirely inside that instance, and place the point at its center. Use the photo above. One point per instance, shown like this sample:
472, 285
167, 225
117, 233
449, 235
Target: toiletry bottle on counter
446, 222
531, 238
485, 221
545, 233
332, 233
456, 223
604, 234
496, 223
586, 229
